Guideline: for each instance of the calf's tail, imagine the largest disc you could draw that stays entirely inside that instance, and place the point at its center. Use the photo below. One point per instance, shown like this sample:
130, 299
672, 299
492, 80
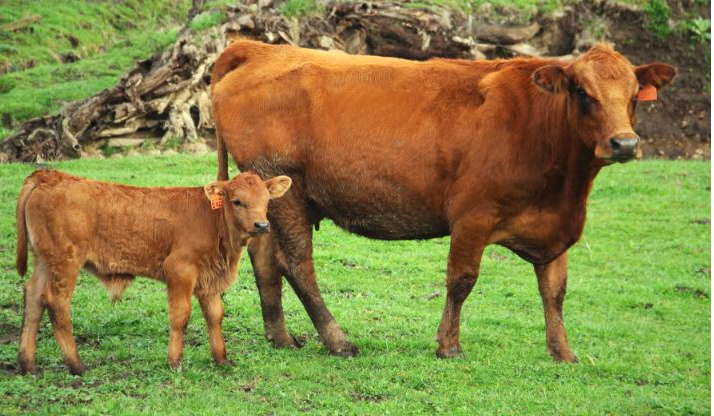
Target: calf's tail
21, 226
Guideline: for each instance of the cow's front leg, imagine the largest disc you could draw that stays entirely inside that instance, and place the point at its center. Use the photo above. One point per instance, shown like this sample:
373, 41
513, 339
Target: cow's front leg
552, 281
212, 307
269, 281
180, 280
467, 246
293, 254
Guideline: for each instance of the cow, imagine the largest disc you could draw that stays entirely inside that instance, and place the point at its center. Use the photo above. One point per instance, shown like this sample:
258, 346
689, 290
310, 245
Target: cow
189, 238
488, 152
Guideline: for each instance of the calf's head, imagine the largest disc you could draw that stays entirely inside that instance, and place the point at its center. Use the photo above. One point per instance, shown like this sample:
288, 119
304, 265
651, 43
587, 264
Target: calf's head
244, 200
602, 89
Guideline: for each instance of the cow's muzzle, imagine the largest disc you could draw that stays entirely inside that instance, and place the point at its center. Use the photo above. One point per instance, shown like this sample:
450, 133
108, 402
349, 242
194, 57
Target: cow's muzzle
261, 227
624, 147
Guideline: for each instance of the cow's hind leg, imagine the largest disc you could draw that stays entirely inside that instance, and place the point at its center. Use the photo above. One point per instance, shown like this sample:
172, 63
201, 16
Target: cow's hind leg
462, 271
269, 281
58, 293
294, 255
552, 281
34, 308
212, 307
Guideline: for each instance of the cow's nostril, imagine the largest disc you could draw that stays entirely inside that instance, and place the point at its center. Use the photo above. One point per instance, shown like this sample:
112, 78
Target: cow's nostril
615, 144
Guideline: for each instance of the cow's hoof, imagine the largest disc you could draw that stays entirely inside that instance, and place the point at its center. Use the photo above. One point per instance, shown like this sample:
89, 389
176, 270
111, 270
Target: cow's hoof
449, 352
175, 364
345, 350
77, 369
562, 355
566, 358
286, 342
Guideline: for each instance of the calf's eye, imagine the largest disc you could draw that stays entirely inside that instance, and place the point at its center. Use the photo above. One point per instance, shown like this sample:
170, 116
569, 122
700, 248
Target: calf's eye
236, 202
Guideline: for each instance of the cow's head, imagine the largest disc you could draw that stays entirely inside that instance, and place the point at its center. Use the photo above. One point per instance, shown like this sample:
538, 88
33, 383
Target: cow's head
244, 200
602, 89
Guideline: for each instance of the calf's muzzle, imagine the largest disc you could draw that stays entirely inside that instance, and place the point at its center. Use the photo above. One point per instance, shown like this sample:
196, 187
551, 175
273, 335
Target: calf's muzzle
262, 226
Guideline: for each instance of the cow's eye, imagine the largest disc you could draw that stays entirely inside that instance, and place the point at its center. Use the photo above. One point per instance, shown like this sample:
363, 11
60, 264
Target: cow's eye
236, 202
581, 92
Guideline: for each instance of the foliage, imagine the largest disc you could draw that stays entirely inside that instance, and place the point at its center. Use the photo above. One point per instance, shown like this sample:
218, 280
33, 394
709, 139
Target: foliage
698, 29
637, 310
108, 36
296, 8
206, 20
658, 18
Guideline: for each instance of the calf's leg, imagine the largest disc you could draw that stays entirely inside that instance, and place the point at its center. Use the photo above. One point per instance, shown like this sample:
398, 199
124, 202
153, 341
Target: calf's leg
212, 307
552, 281
34, 308
462, 271
58, 293
181, 279
269, 281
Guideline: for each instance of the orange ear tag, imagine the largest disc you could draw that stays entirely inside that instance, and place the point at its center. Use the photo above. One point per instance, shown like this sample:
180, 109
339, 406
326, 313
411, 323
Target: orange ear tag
216, 202
647, 93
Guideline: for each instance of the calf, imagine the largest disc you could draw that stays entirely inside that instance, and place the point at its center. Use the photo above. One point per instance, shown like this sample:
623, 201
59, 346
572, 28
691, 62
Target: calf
185, 237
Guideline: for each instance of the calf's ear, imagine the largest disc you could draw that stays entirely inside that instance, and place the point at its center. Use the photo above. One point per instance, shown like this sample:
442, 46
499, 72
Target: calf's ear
214, 190
551, 78
656, 74
278, 185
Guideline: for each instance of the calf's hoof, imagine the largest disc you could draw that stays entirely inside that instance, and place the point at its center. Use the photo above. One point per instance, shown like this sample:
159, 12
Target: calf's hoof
345, 350
225, 363
175, 364
452, 352
28, 367
77, 369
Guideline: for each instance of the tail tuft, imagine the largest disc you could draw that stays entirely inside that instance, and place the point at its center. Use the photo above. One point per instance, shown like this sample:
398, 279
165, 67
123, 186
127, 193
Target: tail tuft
116, 284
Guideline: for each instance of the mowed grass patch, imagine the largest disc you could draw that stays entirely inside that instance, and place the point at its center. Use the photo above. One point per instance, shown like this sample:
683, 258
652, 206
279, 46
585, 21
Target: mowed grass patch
637, 310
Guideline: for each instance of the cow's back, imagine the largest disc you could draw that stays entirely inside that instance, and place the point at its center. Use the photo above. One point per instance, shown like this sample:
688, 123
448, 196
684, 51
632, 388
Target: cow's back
377, 141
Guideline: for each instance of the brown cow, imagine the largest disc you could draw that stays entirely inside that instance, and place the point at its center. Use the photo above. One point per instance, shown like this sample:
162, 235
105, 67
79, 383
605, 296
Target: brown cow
490, 152
118, 231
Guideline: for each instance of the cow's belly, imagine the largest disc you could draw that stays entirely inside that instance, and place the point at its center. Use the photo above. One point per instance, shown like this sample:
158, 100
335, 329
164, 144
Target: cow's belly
376, 209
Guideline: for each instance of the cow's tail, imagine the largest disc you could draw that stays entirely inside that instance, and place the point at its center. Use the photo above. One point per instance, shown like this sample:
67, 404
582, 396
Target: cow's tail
222, 158
229, 60
21, 225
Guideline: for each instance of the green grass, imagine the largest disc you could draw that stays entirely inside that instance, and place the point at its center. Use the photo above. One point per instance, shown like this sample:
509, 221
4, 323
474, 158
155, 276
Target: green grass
110, 36
637, 310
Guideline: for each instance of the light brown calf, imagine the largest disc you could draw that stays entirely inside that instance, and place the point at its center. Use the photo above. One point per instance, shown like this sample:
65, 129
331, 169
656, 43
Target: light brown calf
117, 232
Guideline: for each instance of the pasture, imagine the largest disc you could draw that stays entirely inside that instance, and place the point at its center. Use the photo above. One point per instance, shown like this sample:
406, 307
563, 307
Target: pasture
637, 311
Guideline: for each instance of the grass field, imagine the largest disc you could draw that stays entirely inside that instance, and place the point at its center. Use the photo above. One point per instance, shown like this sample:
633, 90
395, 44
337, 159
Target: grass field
107, 36
638, 312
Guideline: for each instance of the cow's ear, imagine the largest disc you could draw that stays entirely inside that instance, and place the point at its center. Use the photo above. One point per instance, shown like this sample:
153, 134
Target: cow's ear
215, 190
551, 78
656, 74
278, 185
